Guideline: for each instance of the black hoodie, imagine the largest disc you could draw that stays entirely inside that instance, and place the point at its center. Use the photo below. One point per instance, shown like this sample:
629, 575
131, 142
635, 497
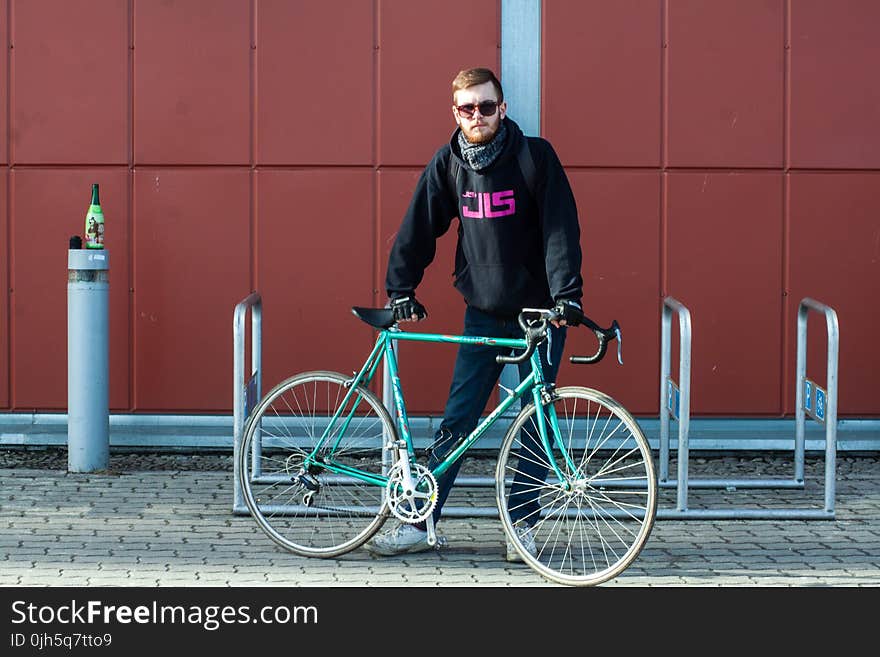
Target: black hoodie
514, 250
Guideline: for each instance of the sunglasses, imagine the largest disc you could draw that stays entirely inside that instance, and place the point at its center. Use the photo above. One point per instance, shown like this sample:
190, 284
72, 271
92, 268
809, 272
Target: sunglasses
487, 108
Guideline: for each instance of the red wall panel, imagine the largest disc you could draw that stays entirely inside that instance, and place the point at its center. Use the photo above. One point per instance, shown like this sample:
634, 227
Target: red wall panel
241, 84
425, 369
70, 86
4, 80
725, 83
835, 96
835, 259
416, 70
315, 236
6, 252
315, 82
191, 267
49, 206
192, 82
724, 233
620, 235
601, 81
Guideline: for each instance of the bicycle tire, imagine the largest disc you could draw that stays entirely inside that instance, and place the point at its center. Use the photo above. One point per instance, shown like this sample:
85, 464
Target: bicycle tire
592, 531
343, 513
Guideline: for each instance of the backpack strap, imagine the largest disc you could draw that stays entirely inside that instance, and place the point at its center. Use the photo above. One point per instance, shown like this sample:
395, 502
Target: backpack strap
452, 172
527, 165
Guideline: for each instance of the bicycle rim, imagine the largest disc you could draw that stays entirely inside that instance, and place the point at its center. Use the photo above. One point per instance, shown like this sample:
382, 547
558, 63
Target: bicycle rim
312, 510
590, 525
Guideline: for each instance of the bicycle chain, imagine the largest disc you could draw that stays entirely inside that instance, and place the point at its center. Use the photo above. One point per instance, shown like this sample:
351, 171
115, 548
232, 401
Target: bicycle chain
423, 474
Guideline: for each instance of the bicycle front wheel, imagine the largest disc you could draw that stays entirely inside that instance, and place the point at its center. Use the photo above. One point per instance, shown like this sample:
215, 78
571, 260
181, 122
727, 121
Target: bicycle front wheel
306, 500
588, 526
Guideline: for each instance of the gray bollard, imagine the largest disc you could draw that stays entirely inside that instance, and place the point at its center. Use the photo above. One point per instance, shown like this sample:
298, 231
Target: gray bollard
88, 406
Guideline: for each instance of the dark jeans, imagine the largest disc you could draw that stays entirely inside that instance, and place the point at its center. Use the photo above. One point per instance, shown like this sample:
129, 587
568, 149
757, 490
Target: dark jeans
473, 380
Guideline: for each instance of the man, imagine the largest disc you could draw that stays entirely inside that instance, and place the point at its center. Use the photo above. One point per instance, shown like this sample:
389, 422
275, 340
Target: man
518, 246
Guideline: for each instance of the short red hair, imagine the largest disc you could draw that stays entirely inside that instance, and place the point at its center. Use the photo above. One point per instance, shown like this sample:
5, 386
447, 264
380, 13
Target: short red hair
471, 77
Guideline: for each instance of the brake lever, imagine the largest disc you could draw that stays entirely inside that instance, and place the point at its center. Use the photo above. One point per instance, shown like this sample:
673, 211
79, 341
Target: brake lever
617, 334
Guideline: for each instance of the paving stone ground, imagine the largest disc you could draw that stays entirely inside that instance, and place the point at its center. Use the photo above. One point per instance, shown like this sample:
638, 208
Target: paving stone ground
157, 520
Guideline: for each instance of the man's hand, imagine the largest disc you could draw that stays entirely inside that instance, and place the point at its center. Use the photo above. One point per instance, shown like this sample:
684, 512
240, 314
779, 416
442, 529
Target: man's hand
570, 313
407, 309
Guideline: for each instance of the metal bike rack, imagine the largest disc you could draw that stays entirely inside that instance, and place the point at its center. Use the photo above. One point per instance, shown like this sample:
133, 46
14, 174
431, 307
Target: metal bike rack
809, 397
675, 403
675, 400
811, 400
244, 393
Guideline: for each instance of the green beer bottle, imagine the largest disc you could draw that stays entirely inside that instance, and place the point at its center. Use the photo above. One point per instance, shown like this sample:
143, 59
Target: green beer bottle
95, 222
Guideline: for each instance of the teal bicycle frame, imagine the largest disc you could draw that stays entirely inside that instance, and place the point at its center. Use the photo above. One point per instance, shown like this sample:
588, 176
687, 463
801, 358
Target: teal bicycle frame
384, 350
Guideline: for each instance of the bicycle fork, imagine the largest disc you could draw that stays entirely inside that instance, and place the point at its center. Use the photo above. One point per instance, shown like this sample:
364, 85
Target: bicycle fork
544, 397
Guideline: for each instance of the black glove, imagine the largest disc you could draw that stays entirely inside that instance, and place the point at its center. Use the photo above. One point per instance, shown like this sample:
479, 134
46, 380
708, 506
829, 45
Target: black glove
570, 311
405, 307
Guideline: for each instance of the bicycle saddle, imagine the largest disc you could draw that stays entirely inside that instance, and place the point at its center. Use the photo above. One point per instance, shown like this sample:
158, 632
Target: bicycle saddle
380, 318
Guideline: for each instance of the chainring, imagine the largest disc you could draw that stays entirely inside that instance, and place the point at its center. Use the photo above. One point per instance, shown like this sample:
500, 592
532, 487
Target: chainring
415, 505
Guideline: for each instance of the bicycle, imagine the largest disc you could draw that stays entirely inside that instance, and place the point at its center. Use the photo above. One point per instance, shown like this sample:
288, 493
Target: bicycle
322, 464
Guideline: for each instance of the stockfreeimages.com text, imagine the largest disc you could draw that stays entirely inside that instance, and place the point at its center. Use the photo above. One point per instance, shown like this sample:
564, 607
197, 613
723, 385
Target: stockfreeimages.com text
211, 617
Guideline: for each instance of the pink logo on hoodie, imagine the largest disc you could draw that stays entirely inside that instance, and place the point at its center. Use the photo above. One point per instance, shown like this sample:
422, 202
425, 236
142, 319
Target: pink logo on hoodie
490, 205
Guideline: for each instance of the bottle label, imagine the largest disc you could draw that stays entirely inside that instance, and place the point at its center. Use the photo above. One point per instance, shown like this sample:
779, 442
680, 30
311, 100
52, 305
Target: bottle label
95, 228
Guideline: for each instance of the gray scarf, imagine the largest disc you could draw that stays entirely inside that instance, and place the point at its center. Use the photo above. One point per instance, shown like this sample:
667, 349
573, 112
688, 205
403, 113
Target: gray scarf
479, 156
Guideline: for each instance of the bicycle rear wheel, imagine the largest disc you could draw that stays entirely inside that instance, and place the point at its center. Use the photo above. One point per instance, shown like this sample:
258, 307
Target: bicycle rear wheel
311, 509
589, 526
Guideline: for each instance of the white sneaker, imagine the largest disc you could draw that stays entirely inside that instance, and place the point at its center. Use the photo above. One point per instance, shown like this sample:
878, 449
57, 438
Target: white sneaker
401, 539
527, 539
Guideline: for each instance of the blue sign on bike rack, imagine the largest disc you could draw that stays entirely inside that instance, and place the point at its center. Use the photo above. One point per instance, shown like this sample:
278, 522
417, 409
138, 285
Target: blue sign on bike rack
673, 398
808, 396
820, 404
815, 400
